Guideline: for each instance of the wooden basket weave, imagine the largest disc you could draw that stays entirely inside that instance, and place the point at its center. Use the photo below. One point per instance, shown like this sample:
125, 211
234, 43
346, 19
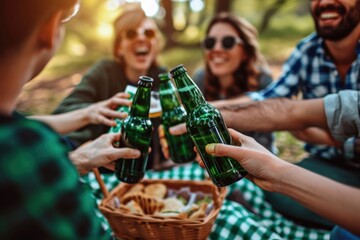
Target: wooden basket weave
128, 225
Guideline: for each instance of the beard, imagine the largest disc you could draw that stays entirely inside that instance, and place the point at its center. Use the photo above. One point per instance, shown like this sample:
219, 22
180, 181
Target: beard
349, 21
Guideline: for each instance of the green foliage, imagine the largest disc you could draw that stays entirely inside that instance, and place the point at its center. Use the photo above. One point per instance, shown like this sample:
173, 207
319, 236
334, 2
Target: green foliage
282, 35
290, 148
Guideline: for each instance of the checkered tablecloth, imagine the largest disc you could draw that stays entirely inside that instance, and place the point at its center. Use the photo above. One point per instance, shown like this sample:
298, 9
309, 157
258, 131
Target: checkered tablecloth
234, 220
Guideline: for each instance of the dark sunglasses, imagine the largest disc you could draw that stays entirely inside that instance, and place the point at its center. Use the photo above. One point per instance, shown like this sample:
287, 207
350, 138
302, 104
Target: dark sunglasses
71, 12
227, 42
133, 33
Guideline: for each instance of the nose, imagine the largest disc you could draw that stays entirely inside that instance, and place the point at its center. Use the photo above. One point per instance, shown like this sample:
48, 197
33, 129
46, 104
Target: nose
217, 45
141, 35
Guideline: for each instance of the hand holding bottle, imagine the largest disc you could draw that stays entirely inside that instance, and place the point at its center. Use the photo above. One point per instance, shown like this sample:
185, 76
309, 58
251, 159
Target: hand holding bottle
105, 111
100, 152
206, 125
262, 166
136, 130
179, 147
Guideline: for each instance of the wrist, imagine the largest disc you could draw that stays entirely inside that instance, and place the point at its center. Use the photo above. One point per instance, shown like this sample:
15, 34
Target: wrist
79, 162
85, 115
282, 177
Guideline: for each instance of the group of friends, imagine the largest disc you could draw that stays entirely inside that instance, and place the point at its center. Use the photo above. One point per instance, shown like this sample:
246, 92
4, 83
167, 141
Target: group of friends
42, 196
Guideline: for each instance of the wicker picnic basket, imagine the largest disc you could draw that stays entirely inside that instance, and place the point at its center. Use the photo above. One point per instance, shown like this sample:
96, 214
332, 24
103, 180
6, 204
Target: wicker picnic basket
127, 225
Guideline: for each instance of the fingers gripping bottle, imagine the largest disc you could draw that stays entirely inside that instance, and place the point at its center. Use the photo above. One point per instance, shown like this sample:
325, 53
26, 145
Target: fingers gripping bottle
125, 109
136, 133
206, 125
181, 147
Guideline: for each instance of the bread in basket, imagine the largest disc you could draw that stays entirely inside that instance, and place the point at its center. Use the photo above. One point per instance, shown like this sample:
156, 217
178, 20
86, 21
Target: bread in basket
150, 225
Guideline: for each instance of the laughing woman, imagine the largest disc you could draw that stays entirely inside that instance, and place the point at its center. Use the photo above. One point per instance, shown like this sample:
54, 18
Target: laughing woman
136, 47
233, 63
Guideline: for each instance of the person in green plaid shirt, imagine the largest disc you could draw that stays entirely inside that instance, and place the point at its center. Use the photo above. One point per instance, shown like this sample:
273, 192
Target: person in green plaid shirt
41, 195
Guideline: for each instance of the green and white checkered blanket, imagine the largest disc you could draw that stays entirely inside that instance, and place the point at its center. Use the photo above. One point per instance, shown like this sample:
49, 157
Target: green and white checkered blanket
234, 220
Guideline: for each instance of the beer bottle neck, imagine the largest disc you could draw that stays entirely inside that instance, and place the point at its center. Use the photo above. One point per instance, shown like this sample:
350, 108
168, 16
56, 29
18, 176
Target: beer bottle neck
190, 94
168, 98
141, 103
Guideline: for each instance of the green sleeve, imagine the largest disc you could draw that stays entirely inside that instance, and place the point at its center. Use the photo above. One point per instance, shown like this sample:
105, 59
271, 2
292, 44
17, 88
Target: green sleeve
44, 198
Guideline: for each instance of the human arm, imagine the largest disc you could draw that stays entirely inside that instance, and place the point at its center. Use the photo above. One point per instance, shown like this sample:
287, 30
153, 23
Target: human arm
316, 136
271, 115
276, 114
99, 153
335, 201
98, 113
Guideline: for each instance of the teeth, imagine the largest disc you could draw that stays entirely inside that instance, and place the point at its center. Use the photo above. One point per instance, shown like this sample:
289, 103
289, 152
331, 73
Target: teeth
218, 60
141, 50
329, 15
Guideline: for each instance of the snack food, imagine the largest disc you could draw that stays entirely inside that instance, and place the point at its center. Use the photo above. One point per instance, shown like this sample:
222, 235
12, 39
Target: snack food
157, 199
156, 190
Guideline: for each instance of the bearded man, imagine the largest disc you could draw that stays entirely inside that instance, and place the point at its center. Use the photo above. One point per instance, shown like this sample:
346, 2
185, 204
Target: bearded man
324, 62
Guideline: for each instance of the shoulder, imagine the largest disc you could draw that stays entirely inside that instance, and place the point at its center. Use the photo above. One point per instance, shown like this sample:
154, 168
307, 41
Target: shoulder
264, 77
199, 77
305, 52
37, 174
309, 44
24, 139
32, 149
199, 74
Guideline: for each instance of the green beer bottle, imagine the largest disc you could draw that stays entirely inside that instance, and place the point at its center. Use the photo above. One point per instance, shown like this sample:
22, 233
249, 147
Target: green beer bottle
116, 129
136, 133
205, 125
181, 147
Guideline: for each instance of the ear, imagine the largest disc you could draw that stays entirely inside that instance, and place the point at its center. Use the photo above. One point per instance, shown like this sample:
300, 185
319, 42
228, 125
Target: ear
49, 30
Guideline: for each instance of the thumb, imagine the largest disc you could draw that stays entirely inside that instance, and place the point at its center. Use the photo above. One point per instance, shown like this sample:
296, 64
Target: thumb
224, 150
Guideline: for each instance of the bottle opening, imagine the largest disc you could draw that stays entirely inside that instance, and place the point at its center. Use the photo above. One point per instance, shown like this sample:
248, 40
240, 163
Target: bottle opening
178, 70
146, 79
164, 77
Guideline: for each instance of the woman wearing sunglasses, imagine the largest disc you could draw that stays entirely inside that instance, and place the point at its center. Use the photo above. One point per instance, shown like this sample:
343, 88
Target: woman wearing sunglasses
135, 49
233, 63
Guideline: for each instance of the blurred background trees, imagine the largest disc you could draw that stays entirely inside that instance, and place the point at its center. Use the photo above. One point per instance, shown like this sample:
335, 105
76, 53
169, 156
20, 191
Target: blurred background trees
281, 24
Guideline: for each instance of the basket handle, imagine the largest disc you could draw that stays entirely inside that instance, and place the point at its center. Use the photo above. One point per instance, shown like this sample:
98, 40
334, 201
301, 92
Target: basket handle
103, 188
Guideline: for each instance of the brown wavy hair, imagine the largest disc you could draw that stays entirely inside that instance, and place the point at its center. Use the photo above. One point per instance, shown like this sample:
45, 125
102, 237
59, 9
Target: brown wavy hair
246, 75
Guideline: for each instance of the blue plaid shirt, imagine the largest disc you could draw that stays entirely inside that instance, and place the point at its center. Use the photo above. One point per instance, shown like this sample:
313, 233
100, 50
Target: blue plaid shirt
310, 72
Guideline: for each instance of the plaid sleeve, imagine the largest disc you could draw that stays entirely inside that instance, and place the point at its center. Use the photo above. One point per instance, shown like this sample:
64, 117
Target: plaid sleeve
289, 82
41, 196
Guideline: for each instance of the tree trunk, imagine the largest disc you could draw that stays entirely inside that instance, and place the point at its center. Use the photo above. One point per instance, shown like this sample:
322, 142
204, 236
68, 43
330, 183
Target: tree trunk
269, 13
168, 27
